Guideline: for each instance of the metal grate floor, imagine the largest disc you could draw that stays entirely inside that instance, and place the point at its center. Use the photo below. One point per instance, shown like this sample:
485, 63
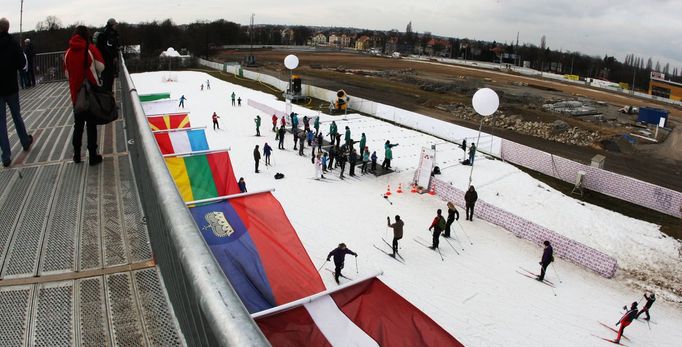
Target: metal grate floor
76, 265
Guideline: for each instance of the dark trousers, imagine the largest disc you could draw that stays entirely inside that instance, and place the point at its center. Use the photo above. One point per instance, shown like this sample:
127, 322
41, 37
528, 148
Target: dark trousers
374, 165
78, 126
436, 235
351, 170
108, 76
386, 164
267, 159
15, 108
31, 75
300, 148
395, 244
447, 228
295, 141
281, 143
216, 125
343, 167
470, 212
337, 271
257, 131
543, 269
363, 169
257, 162
330, 165
644, 310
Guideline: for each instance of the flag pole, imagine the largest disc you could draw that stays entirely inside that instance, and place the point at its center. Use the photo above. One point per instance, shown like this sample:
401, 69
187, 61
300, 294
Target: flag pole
178, 129
228, 197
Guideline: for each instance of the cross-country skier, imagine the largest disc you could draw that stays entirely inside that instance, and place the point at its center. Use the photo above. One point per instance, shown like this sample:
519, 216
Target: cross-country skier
182, 101
438, 225
208, 84
257, 121
470, 198
397, 232
215, 120
274, 122
624, 321
202, 87
267, 150
453, 215
547, 258
649, 302
339, 255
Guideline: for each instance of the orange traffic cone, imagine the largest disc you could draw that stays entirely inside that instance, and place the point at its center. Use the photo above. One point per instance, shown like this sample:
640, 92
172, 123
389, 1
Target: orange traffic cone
414, 188
400, 188
388, 190
432, 191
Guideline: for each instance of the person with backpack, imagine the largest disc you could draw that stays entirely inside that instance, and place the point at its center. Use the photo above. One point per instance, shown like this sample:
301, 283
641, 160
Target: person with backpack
274, 122
280, 134
438, 225
257, 121
650, 299
215, 121
626, 319
547, 258
267, 150
453, 215
470, 198
256, 157
339, 255
397, 232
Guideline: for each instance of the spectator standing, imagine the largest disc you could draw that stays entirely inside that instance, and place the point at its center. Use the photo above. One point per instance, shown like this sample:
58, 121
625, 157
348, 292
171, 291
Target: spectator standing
30, 53
267, 151
316, 125
215, 121
257, 121
242, 185
108, 45
274, 122
365, 160
280, 134
11, 60
472, 154
233, 97
374, 161
239, 101
256, 157
74, 62
464, 148
470, 198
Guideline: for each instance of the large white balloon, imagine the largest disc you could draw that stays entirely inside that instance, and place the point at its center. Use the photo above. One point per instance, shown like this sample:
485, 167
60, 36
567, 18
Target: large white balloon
291, 61
485, 101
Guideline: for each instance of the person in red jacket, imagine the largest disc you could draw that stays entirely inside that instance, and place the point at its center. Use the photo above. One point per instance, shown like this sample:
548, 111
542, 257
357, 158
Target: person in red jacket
438, 225
77, 70
274, 123
627, 318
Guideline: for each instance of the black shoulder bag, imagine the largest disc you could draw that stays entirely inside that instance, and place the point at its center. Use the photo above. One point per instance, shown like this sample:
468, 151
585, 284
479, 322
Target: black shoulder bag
93, 102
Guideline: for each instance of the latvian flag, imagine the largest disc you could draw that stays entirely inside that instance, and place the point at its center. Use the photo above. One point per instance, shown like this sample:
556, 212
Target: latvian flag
368, 313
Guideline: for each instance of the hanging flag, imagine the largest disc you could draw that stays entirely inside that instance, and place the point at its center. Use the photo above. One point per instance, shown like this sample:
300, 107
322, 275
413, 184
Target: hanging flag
365, 314
258, 250
203, 176
171, 142
169, 121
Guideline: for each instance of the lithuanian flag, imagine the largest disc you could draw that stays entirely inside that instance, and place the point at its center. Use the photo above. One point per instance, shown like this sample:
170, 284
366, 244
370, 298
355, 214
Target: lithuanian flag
203, 176
169, 121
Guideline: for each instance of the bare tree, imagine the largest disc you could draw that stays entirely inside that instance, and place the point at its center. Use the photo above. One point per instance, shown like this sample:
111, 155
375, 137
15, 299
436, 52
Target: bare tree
51, 23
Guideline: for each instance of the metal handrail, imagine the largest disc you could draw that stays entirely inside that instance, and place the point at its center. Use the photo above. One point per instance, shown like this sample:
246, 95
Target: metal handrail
206, 305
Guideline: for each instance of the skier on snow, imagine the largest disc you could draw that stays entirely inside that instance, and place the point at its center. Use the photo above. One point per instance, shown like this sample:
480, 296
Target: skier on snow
397, 232
649, 302
438, 225
256, 157
339, 254
547, 258
267, 150
624, 321
453, 215
215, 121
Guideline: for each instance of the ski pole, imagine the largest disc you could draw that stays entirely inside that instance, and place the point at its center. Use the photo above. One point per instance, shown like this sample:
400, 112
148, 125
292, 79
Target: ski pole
453, 247
325, 262
356, 264
454, 232
557, 274
465, 233
439, 253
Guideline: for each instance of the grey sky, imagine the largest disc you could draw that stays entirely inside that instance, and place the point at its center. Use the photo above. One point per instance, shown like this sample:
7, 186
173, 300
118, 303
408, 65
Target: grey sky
648, 28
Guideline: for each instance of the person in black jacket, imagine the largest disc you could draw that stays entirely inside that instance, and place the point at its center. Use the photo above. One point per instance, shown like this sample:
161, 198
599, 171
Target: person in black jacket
339, 255
280, 136
547, 258
107, 43
341, 158
256, 157
470, 198
649, 302
453, 215
11, 60
352, 160
30, 52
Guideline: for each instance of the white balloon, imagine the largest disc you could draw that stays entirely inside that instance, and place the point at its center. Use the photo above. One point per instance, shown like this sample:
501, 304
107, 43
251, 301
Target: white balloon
485, 101
291, 61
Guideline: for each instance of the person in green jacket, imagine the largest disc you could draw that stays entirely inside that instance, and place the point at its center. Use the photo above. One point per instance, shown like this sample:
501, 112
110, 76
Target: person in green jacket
257, 120
332, 131
363, 141
347, 138
389, 154
316, 125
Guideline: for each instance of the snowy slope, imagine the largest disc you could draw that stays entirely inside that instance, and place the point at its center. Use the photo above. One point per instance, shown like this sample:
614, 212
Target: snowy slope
477, 296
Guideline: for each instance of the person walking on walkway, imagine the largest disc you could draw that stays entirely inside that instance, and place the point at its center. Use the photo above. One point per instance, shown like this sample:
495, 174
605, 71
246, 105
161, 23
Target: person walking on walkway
547, 258
397, 232
11, 60
438, 225
339, 255
215, 121
256, 157
453, 215
79, 50
470, 198
30, 52
107, 43
267, 150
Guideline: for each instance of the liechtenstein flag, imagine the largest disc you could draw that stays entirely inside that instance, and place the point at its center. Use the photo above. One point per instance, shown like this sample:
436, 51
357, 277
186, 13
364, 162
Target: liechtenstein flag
258, 250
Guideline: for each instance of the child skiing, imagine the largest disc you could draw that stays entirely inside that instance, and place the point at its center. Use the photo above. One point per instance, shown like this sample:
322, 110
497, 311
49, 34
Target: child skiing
438, 225
339, 255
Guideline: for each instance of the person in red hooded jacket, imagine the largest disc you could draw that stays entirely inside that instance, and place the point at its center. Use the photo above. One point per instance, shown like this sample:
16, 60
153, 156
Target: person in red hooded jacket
77, 70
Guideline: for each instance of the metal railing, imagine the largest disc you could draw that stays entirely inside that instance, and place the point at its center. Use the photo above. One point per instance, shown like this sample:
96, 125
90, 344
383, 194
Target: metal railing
207, 308
49, 67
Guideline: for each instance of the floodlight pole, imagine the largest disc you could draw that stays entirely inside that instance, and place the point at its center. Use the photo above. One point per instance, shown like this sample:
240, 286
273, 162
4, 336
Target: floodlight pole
21, 20
477, 140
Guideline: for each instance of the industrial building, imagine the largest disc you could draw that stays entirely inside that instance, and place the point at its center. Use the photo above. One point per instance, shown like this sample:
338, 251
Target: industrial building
665, 89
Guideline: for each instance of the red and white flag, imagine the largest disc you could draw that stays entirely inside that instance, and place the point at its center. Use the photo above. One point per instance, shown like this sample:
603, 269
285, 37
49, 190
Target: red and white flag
368, 313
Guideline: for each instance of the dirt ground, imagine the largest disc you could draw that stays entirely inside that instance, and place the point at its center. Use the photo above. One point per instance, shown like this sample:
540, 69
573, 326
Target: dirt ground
422, 86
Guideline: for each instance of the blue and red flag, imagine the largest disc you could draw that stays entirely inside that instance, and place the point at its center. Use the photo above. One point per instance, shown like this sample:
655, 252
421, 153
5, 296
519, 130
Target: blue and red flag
258, 250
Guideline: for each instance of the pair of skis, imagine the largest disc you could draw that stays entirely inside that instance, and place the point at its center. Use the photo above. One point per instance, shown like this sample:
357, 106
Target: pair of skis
534, 276
397, 257
333, 274
610, 340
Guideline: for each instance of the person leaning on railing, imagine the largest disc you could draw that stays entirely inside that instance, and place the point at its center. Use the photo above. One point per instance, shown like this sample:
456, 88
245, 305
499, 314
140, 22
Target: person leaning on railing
77, 70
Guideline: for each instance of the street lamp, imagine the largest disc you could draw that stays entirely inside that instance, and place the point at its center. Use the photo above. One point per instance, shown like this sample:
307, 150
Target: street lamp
485, 102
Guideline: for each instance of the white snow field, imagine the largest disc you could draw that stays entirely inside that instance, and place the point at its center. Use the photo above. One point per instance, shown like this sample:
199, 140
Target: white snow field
477, 295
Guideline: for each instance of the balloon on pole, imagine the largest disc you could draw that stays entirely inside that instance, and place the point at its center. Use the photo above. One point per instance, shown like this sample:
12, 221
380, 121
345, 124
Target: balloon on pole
291, 61
485, 101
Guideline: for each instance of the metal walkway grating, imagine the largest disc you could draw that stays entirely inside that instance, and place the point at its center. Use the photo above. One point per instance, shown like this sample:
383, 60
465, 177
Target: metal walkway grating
76, 264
